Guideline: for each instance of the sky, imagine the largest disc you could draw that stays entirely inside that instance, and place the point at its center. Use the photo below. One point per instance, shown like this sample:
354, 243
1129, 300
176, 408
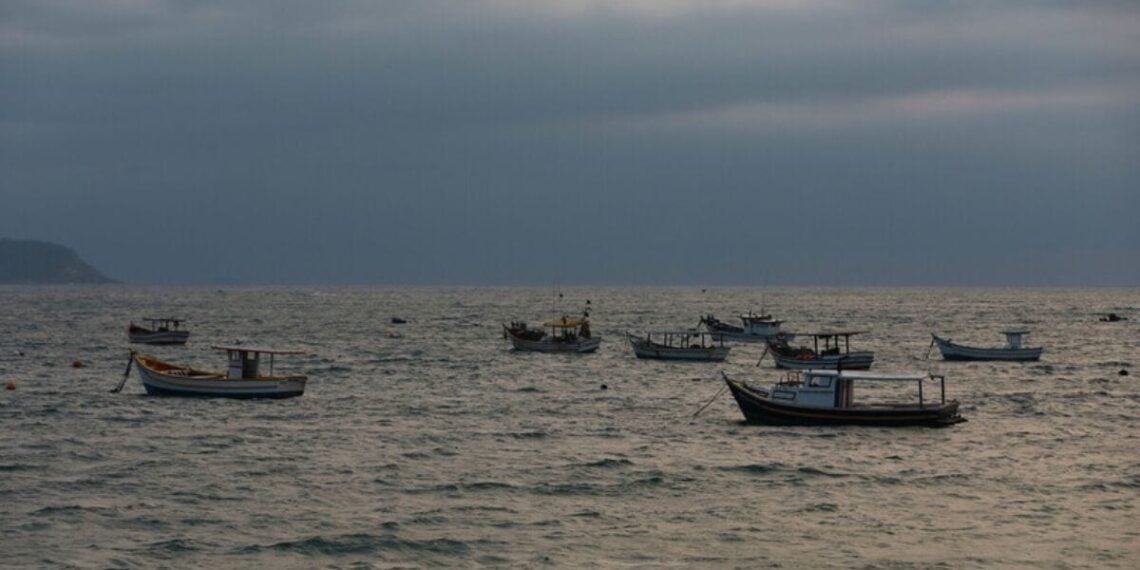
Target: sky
652, 142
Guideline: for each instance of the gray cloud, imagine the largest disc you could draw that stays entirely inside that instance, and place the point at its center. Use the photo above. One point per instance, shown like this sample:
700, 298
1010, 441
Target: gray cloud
725, 142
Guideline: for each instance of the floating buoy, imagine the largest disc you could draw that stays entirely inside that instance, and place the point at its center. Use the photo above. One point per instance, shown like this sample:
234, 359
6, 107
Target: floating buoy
604, 387
1123, 372
11, 385
76, 364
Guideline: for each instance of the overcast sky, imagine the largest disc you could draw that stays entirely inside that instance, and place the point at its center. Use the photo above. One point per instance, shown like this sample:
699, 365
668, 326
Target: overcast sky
702, 142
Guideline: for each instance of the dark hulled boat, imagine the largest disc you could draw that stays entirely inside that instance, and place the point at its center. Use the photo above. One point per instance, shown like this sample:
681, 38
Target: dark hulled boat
826, 397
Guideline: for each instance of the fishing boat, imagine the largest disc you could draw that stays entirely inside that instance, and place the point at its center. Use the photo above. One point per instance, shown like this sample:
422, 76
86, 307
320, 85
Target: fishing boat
827, 397
158, 331
566, 335
242, 378
755, 328
828, 358
679, 345
1012, 351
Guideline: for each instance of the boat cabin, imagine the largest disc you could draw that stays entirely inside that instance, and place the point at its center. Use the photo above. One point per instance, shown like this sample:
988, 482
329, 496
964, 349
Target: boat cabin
569, 329
684, 339
835, 389
832, 342
163, 324
1013, 339
245, 361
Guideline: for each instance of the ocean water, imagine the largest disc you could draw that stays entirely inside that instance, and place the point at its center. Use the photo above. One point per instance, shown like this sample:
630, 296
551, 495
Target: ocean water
433, 444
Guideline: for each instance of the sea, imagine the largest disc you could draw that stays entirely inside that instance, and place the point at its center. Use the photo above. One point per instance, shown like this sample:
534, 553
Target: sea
433, 444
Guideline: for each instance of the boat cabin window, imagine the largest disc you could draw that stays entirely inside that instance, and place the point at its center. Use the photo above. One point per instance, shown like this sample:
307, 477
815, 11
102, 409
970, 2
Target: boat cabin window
243, 364
820, 382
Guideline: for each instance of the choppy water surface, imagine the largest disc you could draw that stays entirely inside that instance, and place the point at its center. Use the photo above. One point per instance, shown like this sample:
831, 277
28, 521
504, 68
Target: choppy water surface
432, 443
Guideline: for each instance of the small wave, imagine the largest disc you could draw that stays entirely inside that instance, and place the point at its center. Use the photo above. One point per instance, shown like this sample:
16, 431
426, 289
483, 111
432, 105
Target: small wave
528, 434
755, 468
174, 547
363, 544
10, 467
814, 471
609, 463
820, 508
943, 478
66, 509
486, 486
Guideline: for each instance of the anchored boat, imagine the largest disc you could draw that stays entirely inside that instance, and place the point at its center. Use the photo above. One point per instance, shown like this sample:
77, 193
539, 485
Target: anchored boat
755, 328
566, 335
242, 379
679, 345
827, 397
160, 331
829, 357
1012, 351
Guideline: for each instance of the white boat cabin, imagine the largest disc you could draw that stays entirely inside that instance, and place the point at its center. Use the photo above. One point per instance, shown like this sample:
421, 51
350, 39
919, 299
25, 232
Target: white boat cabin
1013, 339
835, 389
762, 325
245, 361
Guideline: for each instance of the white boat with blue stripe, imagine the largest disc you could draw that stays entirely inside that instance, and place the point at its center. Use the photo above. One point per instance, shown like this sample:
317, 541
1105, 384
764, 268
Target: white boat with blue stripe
242, 379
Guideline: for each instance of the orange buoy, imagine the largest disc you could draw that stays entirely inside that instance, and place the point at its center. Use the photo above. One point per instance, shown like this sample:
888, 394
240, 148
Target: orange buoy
11, 385
76, 364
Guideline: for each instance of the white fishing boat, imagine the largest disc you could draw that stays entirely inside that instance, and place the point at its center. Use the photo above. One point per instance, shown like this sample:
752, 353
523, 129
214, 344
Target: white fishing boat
831, 356
242, 378
827, 397
754, 328
164, 330
679, 345
566, 335
1012, 351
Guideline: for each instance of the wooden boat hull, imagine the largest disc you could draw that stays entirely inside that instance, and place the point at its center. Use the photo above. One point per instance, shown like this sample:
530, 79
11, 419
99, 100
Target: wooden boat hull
164, 379
759, 409
952, 351
851, 361
655, 351
580, 345
144, 336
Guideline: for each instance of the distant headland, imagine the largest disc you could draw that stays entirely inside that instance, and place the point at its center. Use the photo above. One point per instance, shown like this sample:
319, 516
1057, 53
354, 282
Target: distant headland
40, 262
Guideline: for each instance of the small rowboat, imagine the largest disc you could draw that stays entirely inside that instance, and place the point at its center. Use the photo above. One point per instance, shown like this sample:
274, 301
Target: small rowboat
1012, 351
826, 397
241, 379
159, 331
679, 345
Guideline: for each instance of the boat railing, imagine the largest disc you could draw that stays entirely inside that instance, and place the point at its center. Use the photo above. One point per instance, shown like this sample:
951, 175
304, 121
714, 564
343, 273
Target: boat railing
941, 389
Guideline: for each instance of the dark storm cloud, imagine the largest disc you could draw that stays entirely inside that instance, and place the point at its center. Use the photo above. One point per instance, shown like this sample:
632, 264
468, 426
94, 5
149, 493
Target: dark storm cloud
665, 141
